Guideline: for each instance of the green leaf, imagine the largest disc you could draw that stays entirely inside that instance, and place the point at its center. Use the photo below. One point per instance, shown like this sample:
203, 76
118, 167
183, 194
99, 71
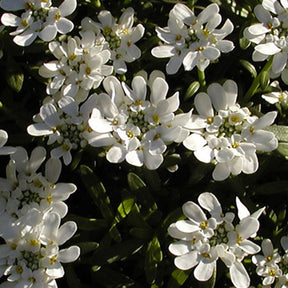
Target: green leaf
87, 224
283, 149
264, 80
191, 90
125, 208
71, 276
14, 76
87, 247
152, 257
280, 131
244, 43
135, 182
271, 188
178, 278
249, 67
97, 192
110, 254
106, 277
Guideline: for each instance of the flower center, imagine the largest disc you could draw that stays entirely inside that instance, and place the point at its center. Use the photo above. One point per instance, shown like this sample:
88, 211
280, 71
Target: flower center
112, 38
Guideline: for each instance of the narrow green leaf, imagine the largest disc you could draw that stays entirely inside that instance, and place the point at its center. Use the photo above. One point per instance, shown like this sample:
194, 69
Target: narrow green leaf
110, 254
191, 90
125, 207
152, 257
87, 247
15, 79
135, 182
264, 80
280, 131
283, 149
178, 278
249, 67
106, 277
87, 224
270, 188
97, 192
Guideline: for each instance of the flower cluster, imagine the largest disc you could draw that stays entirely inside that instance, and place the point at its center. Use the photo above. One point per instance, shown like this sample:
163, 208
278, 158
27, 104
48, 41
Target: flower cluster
226, 134
193, 40
270, 36
203, 239
39, 19
31, 208
80, 66
119, 38
271, 266
65, 123
135, 127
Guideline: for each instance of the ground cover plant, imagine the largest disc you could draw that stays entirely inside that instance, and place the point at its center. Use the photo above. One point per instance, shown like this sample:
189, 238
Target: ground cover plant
143, 143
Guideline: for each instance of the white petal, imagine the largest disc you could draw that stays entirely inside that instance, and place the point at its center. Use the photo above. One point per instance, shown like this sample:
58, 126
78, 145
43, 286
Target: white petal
194, 142
203, 105
204, 154
9, 19
204, 271
221, 172
64, 25
159, 90
247, 227
267, 49
67, 7
66, 231
39, 129
209, 202
186, 226
249, 247
26, 38
53, 169
242, 209
193, 212
116, 154
179, 248
69, 255
187, 261
48, 33
239, 275
163, 51
211, 53
14, 5
48, 113
173, 65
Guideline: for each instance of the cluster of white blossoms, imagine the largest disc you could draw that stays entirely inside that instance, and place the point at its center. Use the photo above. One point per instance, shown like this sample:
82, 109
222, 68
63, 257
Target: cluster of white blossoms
119, 38
271, 36
65, 123
80, 66
226, 134
277, 96
39, 19
204, 238
31, 209
193, 40
136, 126
271, 266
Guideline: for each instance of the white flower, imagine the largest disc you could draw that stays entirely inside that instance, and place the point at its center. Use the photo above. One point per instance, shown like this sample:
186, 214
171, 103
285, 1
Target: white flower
226, 134
65, 123
193, 40
119, 37
80, 66
4, 150
138, 129
270, 35
26, 189
39, 19
202, 240
33, 259
278, 96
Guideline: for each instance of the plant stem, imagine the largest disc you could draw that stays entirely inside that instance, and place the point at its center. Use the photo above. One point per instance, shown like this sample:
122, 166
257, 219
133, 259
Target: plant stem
201, 78
256, 82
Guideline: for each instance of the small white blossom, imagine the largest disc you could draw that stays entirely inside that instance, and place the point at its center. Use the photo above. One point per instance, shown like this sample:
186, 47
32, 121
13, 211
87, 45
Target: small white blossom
203, 240
39, 19
270, 36
25, 189
80, 66
193, 41
226, 134
133, 126
277, 96
33, 259
120, 38
65, 123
